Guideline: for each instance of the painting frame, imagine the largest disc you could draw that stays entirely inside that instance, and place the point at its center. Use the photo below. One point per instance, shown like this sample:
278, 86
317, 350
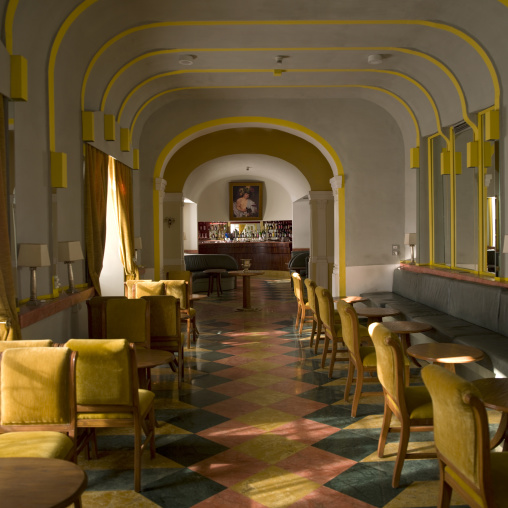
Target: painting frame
242, 207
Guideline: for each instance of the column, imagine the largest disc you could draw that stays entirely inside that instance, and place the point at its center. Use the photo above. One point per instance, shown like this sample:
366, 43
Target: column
336, 183
172, 226
160, 186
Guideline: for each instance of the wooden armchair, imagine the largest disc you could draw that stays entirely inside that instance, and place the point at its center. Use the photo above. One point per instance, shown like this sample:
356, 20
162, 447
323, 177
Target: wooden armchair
128, 319
411, 405
44, 425
461, 434
108, 395
182, 289
304, 312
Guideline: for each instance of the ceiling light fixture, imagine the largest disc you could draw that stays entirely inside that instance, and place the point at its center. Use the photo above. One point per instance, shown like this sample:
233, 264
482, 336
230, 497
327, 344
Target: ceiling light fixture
375, 59
186, 59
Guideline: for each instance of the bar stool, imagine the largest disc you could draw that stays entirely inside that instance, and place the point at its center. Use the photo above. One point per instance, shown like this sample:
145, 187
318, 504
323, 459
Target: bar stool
214, 275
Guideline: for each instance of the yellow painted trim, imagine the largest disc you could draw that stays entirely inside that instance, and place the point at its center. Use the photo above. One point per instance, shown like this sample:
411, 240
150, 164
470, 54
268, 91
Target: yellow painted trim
19, 78
58, 170
109, 128
88, 125
342, 239
180, 139
135, 158
64, 27
453, 201
10, 13
388, 92
472, 154
430, 166
125, 142
414, 158
427, 57
492, 125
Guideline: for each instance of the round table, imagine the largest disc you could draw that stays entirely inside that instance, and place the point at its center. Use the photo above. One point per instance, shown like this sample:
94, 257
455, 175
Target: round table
246, 275
446, 354
28, 482
350, 299
376, 314
148, 358
214, 276
403, 329
494, 393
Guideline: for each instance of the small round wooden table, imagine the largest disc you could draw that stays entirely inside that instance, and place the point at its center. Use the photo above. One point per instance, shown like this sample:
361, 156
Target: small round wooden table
494, 393
148, 358
28, 482
446, 354
350, 299
376, 314
214, 276
246, 275
403, 329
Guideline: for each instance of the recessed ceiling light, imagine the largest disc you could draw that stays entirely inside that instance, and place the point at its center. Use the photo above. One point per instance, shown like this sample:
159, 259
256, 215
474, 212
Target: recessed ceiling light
375, 59
186, 59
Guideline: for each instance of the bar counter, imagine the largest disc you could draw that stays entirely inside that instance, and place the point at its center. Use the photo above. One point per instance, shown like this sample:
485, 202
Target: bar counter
264, 255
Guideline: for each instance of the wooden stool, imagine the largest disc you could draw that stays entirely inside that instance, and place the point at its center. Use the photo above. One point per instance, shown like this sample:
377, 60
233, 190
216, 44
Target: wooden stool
214, 274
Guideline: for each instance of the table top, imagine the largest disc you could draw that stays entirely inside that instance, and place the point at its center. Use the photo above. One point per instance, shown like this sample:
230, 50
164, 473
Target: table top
376, 312
147, 358
350, 299
215, 270
40, 483
406, 326
445, 353
494, 392
247, 273
197, 296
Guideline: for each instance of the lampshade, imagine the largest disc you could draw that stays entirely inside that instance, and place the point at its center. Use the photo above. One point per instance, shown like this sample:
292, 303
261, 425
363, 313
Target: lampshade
410, 239
138, 244
505, 244
69, 251
33, 254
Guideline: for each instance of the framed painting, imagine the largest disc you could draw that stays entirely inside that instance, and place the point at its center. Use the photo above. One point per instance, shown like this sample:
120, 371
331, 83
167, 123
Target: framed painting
245, 201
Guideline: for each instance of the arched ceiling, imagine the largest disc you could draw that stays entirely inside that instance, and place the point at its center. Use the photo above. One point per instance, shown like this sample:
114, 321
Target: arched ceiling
435, 56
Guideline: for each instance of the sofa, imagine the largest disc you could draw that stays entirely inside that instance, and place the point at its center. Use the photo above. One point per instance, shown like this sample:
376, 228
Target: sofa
197, 263
459, 311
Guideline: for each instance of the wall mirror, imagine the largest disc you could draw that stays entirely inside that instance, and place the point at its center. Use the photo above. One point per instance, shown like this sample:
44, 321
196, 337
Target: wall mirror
466, 202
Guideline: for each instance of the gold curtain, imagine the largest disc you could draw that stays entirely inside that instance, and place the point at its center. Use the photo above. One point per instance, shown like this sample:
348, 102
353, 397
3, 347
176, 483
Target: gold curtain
121, 188
9, 326
96, 199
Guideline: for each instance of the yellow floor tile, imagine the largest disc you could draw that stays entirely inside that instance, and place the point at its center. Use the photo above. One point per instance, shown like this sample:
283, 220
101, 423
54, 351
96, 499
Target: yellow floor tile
115, 499
124, 460
166, 429
263, 396
270, 448
267, 418
261, 380
390, 453
421, 494
259, 365
275, 488
257, 355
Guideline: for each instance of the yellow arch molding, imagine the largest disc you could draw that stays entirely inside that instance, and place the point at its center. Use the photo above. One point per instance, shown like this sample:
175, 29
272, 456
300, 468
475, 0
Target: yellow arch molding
431, 59
9, 23
262, 121
406, 106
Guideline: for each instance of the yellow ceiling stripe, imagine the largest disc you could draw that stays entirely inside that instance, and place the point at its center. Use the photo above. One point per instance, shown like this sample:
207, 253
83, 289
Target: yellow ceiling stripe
9, 23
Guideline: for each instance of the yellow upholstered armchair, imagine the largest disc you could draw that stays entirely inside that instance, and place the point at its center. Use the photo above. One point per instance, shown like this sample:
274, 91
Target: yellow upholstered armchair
361, 358
9, 344
166, 329
304, 312
411, 405
182, 289
139, 288
461, 434
96, 307
38, 403
108, 395
128, 319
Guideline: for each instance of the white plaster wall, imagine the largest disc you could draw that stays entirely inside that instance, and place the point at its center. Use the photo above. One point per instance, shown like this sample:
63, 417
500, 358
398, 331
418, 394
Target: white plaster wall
301, 224
190, 226
367, 279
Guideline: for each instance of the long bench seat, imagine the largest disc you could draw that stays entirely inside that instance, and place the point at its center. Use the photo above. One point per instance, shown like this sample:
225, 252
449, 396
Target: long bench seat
459, 311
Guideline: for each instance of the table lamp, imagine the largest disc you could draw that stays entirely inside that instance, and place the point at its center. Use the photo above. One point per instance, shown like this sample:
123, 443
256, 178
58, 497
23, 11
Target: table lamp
410, 239
33, 255
69, 252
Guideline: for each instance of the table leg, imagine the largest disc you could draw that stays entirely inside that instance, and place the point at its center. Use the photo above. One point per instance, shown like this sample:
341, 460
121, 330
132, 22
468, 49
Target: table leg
246, 292
500, 433
406, 342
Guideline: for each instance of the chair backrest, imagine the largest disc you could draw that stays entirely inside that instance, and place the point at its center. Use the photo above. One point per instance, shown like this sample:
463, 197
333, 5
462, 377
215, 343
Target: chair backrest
8, 344
164, 316
130, 287
97, 316
350, 327
298, 287
140, 288
179, 289
106, 373
390, 363
461, 431
38, 389
325, 308
311, 294
128, 319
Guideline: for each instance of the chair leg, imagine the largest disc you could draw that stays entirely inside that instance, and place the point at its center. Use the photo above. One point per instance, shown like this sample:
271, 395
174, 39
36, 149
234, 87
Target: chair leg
387, 418
312, 333
137, 458
194, 329
445, 489
188, 332
152, 425
358, 392
407, 374
318, 338
325, 351
332, 359
298, 316
401, 453
349, 381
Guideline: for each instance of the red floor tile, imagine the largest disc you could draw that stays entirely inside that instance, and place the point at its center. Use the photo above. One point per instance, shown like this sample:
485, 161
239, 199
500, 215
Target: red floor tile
230, 433
297, 405
306, 431
231, 408
229, 499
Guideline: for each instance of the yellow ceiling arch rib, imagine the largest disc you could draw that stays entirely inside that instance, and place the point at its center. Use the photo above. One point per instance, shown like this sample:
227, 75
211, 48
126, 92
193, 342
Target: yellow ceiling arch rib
9, 23
427, 57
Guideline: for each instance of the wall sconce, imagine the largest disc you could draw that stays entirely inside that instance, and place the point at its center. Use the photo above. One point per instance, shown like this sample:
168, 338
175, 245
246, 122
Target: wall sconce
410, 239
33, 255
69, 252
170, 221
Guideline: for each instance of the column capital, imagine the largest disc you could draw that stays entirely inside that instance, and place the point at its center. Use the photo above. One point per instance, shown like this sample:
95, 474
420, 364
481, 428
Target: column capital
160, 184
336, 182
320, 196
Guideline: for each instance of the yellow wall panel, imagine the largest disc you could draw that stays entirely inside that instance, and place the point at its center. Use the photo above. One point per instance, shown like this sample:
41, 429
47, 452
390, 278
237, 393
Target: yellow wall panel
19, 78
59, 170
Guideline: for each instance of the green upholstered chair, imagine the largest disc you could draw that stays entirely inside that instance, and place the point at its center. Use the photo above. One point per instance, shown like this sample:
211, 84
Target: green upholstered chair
128, 319
9, 344
362, 359
166, 329
107, 394
411, 405
304, 312
182, 289
38, 403
461, 434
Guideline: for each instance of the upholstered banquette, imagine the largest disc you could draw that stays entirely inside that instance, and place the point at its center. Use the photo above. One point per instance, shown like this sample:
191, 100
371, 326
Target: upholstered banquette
197, 263
459, 311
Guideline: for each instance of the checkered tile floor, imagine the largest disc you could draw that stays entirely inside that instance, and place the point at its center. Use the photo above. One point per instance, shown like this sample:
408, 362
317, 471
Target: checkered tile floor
258, 423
